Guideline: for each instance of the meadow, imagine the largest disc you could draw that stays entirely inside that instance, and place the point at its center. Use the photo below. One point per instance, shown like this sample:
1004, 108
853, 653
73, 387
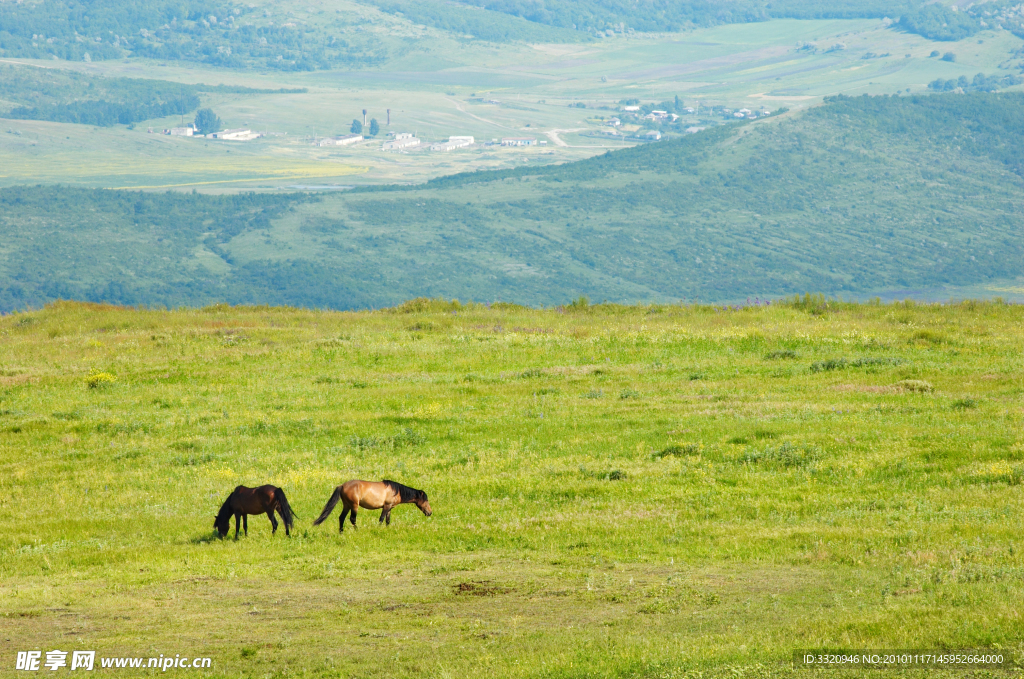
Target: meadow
646, 491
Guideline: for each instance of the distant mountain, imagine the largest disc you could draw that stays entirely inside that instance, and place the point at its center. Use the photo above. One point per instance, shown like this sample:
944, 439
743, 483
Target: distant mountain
855, 197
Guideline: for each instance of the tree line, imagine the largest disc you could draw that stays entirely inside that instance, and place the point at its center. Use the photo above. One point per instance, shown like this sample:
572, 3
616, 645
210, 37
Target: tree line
69, 97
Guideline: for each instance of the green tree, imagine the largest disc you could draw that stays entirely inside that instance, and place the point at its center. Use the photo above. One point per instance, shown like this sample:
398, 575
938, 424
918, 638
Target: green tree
357, 127
374, 127
207, 121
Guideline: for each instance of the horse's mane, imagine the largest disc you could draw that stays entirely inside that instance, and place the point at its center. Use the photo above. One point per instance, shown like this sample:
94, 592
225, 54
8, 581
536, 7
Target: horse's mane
406, 493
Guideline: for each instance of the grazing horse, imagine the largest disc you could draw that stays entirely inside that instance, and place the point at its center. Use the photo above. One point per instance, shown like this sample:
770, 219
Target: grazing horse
381, 495
263, 500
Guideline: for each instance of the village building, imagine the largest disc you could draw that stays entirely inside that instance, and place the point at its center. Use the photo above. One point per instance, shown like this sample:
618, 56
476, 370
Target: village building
518, 141
614, 122
343, 140
186, 131
454, 142
630, 109
402, 140
653, 135
237, 134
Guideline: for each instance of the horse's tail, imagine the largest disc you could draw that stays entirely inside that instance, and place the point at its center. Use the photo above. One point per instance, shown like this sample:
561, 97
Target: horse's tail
329, 507
285, 509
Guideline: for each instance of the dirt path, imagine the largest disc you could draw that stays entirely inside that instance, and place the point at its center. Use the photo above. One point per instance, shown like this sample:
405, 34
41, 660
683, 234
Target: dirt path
553, 136
458, 105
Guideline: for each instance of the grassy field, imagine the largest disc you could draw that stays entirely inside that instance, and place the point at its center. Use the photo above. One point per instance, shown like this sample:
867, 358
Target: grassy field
654, 491
434, 83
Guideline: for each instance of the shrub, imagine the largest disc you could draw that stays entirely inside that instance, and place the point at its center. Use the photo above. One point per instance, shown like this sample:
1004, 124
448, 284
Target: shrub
964, 404
426, 305
842, 363
784, 455
830, 364
98, 380
610, 475
815, 304
678, 451
581, 303
782, 353
929, 336
915, 386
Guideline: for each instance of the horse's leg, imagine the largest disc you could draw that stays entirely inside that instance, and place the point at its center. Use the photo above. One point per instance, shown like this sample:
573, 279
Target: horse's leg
245, 524
383, 513
353, 519
238, 520
273, 521
387, 515
341, 521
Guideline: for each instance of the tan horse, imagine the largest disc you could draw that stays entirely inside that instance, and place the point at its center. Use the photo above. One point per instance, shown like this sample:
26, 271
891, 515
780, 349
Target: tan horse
381, 495
244, 501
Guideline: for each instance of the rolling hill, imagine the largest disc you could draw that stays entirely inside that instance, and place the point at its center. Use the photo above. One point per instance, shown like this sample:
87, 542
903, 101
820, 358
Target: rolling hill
862, 196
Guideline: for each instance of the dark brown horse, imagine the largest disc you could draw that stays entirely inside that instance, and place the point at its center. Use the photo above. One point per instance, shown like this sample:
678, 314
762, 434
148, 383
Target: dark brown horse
382, 495
263, 500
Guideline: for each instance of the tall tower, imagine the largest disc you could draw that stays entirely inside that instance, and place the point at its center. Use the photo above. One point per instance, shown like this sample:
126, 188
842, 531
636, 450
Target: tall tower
364, 117
389, 117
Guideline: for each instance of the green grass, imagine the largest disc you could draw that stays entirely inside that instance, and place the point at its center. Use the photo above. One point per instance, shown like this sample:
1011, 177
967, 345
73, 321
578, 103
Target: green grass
719, 505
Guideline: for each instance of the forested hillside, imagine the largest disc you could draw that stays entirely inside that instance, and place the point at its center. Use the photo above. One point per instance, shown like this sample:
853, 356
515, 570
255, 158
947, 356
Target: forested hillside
939, 22
857, 197
482, 23
222, 33
70, 97
302, 38
672, 15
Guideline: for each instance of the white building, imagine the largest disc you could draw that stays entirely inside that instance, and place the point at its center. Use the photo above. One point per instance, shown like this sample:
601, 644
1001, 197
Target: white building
455, 142
237, 134
186, 131
518, 141
631, 108
653, 135
402, 140
343, 140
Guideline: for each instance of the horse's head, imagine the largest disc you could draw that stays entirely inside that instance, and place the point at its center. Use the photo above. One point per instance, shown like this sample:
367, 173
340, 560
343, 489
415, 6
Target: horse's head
423, 503
223, 520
